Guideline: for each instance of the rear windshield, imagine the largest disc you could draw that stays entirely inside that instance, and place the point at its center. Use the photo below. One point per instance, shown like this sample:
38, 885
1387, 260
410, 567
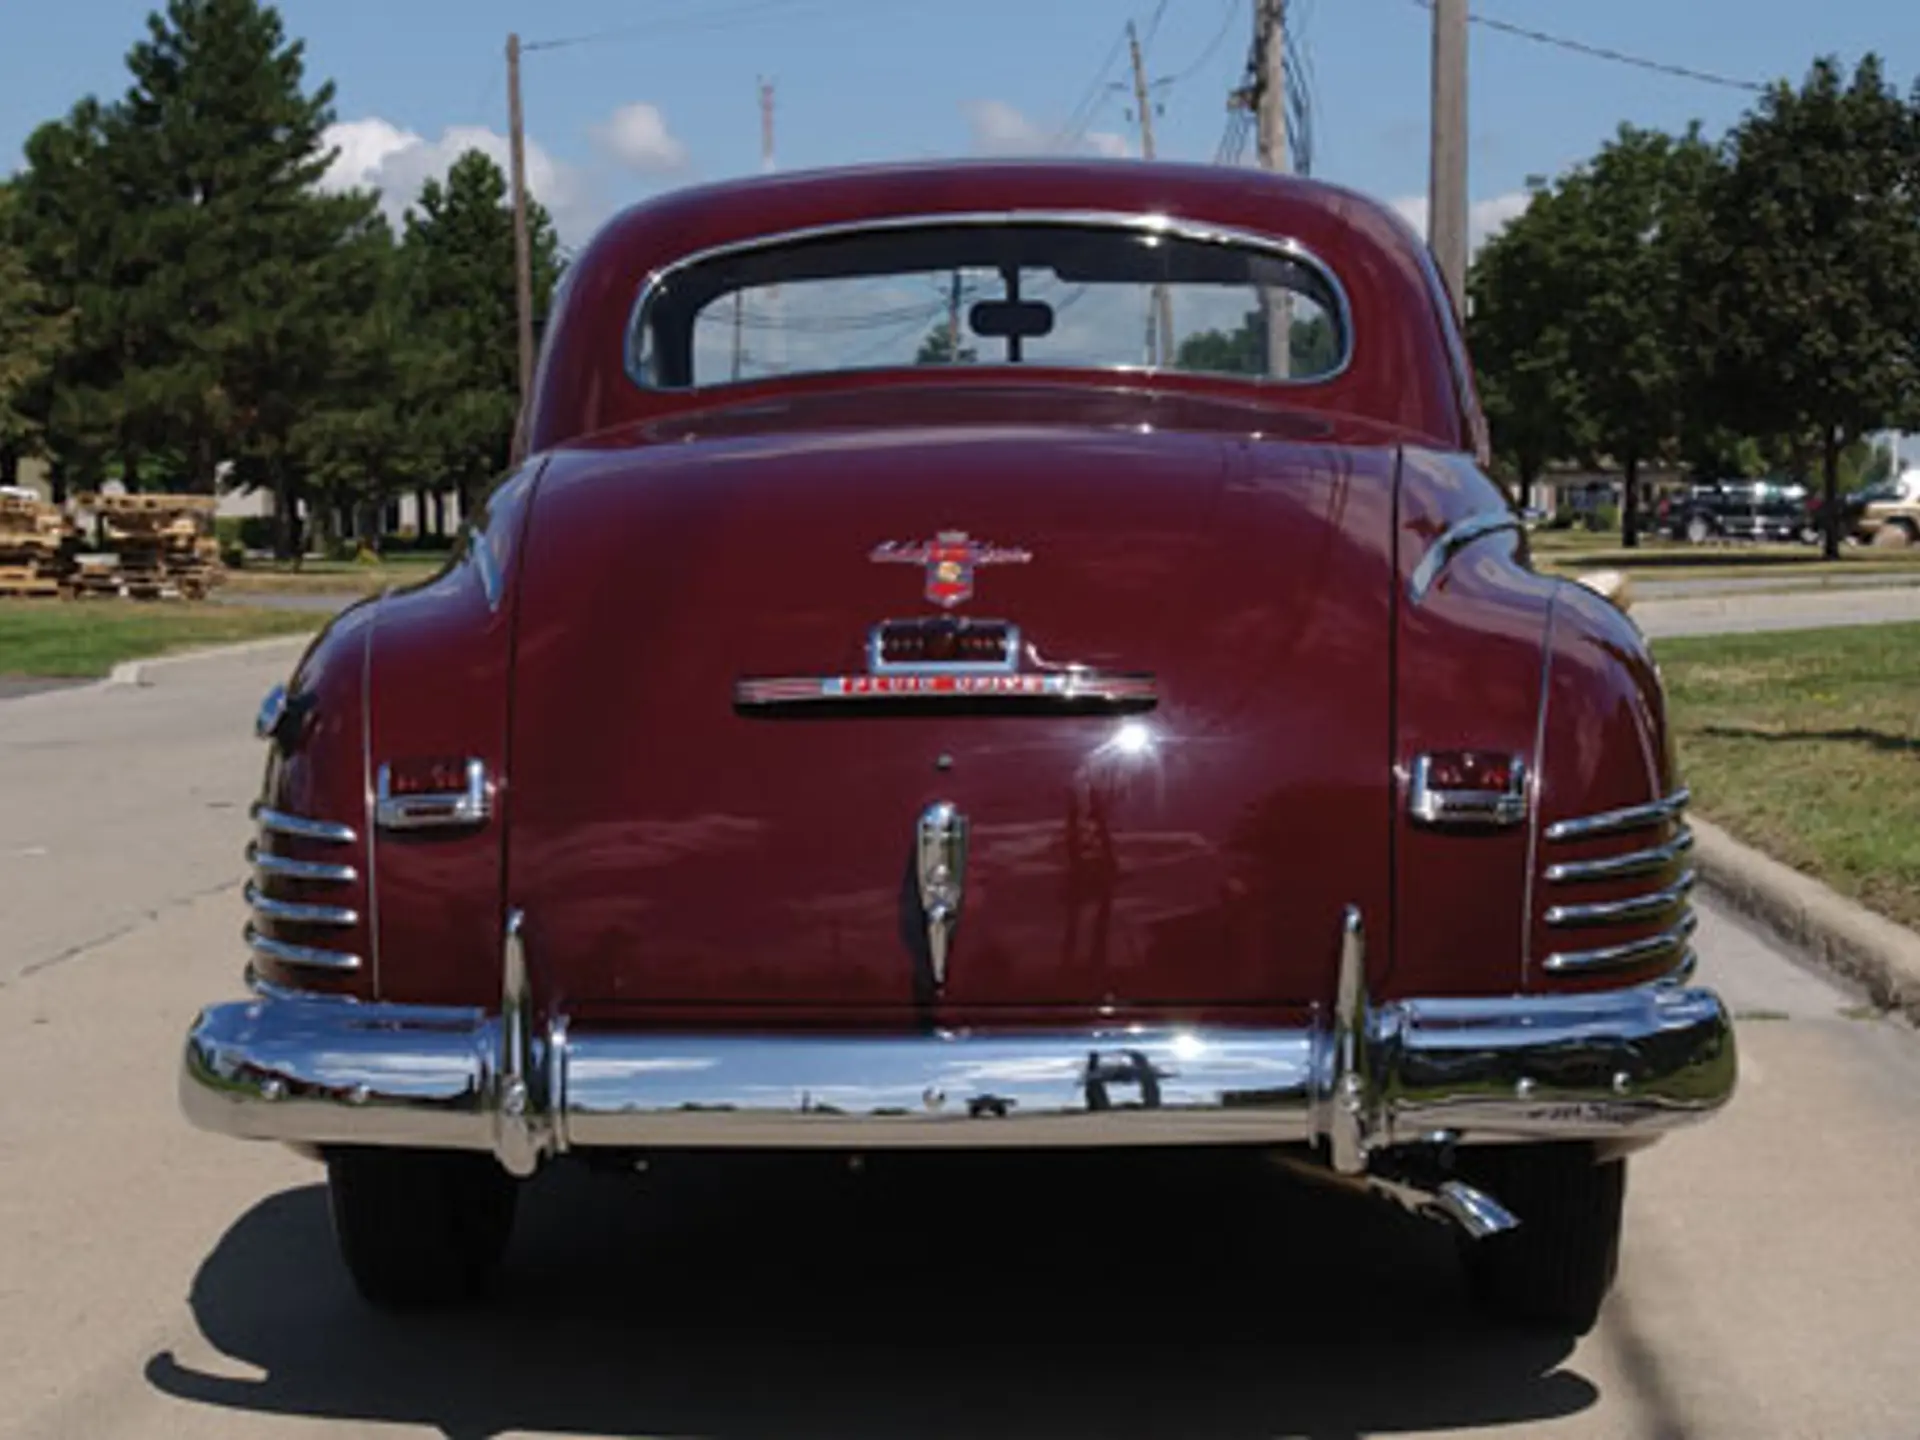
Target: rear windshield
1075, 295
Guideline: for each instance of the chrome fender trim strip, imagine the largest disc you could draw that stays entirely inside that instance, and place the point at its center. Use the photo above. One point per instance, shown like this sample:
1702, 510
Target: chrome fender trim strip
1614, 822
278, 822
285, 868
292, 913
304, 955
1622, 867
1624, 912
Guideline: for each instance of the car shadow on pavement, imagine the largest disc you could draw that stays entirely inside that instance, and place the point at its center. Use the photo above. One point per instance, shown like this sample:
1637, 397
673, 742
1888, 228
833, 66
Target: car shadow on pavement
1014, 1296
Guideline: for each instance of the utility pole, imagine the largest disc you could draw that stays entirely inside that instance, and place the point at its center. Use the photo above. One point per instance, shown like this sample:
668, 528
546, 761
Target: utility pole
1270, 45
522, 253
953, 321
1447, 177
1160, 321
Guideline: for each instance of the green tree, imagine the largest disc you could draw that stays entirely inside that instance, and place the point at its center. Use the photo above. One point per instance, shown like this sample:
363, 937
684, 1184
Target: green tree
76, 225
33, 333
1519, 337
1807, 301
941, 347
356, 441
1634, 221
256, 269
460, 302
1312, 345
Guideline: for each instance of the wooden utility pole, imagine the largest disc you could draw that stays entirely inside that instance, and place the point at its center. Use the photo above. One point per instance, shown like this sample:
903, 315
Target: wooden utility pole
1160, 321
1270, 44
522, 253
1447, 177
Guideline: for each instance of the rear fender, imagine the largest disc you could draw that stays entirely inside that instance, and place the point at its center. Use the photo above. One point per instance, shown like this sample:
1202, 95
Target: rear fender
1468, 652
439, 684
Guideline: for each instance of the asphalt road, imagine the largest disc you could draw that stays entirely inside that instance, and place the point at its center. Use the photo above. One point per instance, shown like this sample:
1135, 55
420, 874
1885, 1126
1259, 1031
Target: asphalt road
156, 1282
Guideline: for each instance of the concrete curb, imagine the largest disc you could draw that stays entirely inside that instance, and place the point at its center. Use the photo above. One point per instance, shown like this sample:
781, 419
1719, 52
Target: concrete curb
1846, 938
135, 672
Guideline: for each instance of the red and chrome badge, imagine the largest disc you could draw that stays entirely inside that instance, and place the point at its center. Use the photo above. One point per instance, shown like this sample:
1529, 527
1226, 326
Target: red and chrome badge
949, 559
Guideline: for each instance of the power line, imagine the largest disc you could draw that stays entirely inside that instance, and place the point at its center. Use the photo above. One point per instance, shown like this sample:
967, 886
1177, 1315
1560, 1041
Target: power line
1601, 52
1153, 25
1082, 114
1213, 45
685, 22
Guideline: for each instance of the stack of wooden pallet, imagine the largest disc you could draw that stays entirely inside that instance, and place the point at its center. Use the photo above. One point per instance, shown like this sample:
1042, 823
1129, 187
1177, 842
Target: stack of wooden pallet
158, 546
32, 533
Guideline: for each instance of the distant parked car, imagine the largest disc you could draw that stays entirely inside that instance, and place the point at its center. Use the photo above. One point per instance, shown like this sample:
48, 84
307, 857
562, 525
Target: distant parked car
1890, 511
1738, 510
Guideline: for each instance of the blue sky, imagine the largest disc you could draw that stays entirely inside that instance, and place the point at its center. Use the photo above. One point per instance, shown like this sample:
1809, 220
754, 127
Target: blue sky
673, 97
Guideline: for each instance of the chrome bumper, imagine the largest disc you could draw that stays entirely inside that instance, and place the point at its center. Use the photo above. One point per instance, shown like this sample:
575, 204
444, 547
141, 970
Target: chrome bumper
1362, 1079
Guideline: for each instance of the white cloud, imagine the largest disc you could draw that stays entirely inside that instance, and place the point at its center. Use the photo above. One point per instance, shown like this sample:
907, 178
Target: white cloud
376, 154
1485, 218
1001, 129
637, 137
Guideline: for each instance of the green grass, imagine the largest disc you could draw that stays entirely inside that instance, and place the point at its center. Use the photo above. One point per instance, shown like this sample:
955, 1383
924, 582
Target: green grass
334, 577
1672, 560
1806, 744
90, 637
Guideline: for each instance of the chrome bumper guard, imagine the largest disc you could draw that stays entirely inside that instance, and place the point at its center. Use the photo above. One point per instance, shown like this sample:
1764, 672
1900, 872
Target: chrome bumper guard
1361, 1079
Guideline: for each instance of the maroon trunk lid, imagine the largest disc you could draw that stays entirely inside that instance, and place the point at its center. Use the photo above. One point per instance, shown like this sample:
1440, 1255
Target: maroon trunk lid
671, 849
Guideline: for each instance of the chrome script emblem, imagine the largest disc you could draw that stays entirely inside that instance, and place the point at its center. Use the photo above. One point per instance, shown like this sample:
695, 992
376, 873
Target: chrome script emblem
949, 559
940, 865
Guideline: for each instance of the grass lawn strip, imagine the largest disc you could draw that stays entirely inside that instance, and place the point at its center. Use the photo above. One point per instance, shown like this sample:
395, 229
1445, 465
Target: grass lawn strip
334, 577
80, 638
1806, 745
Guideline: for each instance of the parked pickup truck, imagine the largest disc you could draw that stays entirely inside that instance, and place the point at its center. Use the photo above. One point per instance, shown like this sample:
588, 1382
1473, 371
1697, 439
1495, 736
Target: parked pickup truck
1890, 513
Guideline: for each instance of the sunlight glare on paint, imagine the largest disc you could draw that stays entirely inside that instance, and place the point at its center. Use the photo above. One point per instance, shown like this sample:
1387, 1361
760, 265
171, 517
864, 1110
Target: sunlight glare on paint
1134, 737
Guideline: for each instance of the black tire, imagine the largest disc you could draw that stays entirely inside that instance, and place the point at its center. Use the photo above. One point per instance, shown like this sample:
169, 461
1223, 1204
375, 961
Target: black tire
1698, 530
1556, 1269
419, 1228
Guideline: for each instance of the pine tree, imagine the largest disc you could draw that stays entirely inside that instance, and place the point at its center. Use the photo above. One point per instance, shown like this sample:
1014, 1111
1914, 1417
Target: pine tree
464, 374
256, 274
33, 333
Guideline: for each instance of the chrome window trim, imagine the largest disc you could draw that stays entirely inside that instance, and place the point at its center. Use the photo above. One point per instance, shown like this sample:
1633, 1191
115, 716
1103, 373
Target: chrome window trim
1430, 805
304, 955
279, 822
1613, 822
1622, 912
1622, 867
1625, 955
1199, 231
293, 912
1450, 542
290, 869
434, 810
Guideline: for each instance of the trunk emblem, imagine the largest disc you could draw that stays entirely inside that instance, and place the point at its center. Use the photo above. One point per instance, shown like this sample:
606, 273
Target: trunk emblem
940, 865
949, 559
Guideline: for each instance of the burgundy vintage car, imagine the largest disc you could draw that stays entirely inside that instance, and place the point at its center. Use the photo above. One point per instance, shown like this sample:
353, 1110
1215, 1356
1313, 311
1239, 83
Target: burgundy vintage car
981, 655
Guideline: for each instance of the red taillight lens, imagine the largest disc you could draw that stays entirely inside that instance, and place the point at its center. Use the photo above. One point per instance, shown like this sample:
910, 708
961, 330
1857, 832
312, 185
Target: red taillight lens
437, 776
1470, 770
